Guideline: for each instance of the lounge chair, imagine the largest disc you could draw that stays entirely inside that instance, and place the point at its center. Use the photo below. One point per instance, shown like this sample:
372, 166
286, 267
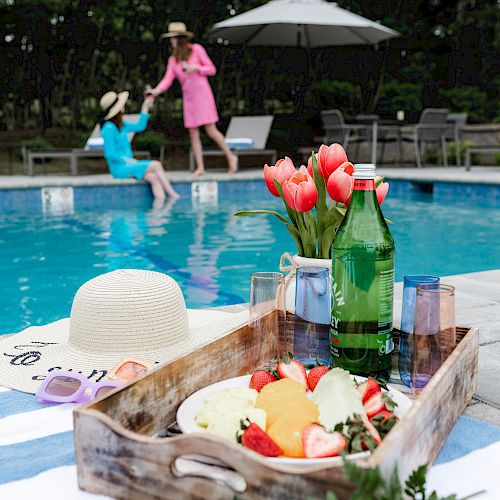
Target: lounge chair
92, 149
431, 128
479, 149
246, 136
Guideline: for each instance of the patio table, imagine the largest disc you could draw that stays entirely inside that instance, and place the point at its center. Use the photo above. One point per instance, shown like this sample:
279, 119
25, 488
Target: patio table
38, 461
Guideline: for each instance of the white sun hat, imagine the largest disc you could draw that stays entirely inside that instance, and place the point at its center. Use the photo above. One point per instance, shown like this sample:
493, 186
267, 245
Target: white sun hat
112, 103
128, 312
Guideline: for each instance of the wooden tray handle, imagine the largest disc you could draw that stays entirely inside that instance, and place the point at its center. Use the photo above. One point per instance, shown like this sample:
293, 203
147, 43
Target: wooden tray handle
200, 465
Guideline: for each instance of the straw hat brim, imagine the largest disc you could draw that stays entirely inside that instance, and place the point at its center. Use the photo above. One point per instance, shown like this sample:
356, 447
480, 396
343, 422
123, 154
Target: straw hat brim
120, 104
30, 354
170, 34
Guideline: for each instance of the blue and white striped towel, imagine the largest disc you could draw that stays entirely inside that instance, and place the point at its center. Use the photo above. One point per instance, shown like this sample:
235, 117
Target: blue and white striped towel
37, 458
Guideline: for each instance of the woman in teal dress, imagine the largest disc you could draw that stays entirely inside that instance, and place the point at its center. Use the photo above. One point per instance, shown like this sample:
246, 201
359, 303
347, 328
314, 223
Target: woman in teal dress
117, 148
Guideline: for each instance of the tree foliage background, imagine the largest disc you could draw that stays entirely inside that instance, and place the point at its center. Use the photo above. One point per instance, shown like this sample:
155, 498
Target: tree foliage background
59, 56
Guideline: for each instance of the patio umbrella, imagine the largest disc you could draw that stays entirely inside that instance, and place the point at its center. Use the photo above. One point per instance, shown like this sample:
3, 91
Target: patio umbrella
300, 23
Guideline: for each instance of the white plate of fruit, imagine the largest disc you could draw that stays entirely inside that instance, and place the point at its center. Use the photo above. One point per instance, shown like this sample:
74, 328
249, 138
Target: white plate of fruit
296, 417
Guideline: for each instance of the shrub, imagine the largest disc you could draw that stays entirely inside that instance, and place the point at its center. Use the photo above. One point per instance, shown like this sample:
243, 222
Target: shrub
467, 99
37, 143
396, 96
150, 141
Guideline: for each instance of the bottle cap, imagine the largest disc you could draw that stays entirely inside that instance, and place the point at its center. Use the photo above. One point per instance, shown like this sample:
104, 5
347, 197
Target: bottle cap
364, 171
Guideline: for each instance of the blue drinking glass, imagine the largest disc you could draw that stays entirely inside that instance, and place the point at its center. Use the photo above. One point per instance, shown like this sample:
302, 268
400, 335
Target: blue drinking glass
407, 320
312, 315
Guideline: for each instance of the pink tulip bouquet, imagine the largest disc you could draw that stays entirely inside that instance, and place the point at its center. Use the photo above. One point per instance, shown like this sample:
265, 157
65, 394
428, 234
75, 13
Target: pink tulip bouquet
313, 218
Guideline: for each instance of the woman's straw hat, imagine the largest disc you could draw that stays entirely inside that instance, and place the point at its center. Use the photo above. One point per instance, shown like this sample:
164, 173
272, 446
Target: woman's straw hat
127, 312
177, 29
112, 103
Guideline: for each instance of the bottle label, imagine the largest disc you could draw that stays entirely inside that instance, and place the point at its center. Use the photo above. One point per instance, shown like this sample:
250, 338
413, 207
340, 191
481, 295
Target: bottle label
353, 326
364, 185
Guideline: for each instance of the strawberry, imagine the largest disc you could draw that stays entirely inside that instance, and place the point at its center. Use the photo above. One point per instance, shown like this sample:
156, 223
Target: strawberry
368, 389
257, 440
318, 443
315, 374
374, 405
384, 415
290, 368
260, 379
373, 432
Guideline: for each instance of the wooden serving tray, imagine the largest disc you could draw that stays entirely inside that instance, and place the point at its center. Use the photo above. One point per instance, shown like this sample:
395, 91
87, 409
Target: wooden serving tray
120, 454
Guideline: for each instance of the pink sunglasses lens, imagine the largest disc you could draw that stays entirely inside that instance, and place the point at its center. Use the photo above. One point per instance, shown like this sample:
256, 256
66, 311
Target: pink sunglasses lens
130, 370
63, 386
103, 391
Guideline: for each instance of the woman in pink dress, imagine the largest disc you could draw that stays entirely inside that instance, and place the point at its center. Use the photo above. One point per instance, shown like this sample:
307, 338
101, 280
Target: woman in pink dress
190, 64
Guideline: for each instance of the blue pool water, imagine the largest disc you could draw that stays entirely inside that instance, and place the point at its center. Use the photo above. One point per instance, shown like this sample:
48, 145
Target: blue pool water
211, 253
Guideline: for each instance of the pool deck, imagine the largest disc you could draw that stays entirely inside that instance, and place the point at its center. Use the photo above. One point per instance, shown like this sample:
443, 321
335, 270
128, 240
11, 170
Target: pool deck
477, 175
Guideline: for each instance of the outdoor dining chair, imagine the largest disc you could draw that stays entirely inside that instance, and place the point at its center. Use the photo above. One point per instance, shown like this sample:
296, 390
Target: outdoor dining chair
337, 130
456, 123
430, 129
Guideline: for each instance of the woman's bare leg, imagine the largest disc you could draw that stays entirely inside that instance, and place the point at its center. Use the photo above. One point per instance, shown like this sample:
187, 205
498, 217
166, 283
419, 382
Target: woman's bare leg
194, 135
157, 168
214, 134
156, 187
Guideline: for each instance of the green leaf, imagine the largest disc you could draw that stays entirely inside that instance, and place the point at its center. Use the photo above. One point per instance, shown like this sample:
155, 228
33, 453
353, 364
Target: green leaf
311, 224
296, 236
330, 495
245, 213
307, 241
341, 210
328, 237
415, 484
392, 490
333, 217
378, 182
321, 206
388, 221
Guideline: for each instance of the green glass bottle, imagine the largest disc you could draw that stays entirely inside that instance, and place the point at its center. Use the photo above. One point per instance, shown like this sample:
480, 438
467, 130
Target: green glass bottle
363, 283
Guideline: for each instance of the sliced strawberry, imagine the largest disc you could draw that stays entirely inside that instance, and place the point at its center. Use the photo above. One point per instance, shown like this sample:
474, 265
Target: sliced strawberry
386, 415
315, 374
260, 379
257, 440
368, 389
290, 368
374, 405
318, 443
373, 432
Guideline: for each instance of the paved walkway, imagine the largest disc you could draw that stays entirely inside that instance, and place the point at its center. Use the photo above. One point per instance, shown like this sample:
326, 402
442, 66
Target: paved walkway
478, 175
478, 305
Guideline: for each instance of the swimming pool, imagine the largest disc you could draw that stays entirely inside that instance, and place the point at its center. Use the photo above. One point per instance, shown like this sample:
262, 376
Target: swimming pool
211, 253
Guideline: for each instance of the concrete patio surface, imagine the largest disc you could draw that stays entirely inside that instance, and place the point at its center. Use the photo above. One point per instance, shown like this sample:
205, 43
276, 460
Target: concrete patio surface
477, 175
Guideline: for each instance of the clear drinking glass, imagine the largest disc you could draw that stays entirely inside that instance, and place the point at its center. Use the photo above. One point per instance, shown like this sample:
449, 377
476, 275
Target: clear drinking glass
267, 309
311, 340
407, 318
434, 334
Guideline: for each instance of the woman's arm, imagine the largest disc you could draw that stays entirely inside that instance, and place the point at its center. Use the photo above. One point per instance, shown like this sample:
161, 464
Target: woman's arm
110, 152
205, 67
139, 125
167, 80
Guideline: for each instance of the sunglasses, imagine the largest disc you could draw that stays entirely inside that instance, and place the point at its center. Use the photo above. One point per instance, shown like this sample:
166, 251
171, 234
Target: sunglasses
67, 387
128, 369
